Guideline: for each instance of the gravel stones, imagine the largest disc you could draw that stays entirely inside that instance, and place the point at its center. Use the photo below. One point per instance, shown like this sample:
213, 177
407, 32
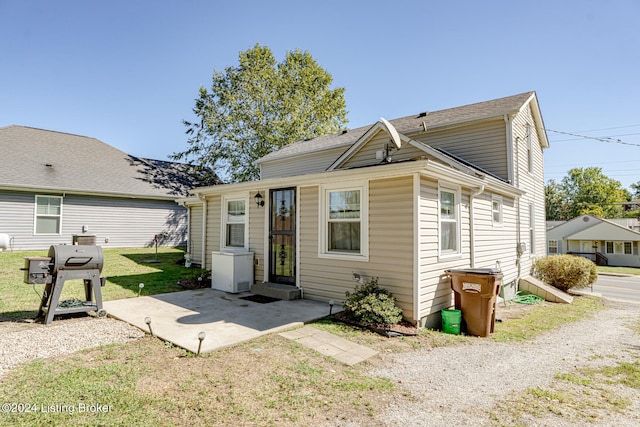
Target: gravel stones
22, 342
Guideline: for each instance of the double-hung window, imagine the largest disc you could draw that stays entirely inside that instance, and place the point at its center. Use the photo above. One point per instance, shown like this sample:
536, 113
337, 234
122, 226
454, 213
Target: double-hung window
449, 220
48, 217
530, 148
235, 223
532, 228
344, 224
496, 210
552, 247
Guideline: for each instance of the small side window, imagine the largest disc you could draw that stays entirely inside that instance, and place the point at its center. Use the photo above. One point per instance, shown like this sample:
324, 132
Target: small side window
496, 210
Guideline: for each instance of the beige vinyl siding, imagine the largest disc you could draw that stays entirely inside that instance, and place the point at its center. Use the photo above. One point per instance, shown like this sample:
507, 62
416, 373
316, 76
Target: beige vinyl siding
482, 144
301, 165
257, 218
495, 242
195, 233
366, 156
532, 184
124, 222
435, 290
214, 206
391, 242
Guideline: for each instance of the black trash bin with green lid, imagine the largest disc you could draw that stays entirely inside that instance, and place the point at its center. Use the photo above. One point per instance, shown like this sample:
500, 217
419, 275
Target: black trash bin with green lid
475, 292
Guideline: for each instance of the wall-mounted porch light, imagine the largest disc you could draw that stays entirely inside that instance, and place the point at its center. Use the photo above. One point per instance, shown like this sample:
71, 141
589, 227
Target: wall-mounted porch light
259, 200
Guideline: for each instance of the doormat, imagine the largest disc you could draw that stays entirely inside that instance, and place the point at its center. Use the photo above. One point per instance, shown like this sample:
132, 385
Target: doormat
260, 299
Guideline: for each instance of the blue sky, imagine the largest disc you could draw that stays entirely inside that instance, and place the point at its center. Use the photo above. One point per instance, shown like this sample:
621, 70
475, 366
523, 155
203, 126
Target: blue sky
128, 72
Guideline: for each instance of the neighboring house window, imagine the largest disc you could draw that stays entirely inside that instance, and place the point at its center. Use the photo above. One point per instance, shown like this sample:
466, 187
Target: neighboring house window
552, 247
48, 218
449, 220
235, 223
532, 228
344, 226
496, 210
529, 148
619, 248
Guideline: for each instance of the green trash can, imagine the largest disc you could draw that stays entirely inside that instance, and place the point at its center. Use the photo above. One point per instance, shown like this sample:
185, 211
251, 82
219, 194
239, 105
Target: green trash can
451, 319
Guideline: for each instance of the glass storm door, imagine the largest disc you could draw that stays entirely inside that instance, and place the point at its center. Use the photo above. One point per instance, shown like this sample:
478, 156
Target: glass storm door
282, 236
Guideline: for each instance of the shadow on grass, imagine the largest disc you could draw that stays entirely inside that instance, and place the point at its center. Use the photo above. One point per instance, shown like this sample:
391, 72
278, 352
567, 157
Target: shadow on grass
18, 316
159, 274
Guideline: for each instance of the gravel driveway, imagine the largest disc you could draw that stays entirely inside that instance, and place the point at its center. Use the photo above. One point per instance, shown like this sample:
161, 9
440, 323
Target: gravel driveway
456, 385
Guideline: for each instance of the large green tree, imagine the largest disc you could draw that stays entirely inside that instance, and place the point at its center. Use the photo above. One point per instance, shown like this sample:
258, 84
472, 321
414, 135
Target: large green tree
584, 191
259, 106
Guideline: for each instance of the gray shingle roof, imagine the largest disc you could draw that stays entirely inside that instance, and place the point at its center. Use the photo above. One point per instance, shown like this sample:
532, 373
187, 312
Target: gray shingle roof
39, 159
465, 113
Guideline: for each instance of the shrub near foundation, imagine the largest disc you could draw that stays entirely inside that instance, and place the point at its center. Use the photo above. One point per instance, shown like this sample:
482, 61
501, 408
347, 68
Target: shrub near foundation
370, 303
566, 271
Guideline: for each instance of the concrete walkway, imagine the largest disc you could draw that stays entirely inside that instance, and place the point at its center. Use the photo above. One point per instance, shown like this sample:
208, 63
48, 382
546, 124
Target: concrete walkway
225, 318
330, 345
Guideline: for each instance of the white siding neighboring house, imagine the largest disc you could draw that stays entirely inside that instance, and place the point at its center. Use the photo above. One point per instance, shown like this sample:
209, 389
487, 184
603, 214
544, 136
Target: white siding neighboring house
402, 200
55, 185
605, 242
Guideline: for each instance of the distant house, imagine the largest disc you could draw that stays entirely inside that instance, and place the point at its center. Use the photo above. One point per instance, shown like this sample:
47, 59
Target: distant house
401, 200
606, 242
633, 205
56, 188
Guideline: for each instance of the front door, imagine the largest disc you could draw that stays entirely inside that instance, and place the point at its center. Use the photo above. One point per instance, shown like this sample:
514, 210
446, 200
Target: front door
282, 236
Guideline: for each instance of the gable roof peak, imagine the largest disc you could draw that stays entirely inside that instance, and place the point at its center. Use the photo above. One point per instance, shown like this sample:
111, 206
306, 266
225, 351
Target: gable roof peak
453, 116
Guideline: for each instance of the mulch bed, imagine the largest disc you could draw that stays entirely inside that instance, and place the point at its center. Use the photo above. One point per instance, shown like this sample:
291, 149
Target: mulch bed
403, 328
194, 284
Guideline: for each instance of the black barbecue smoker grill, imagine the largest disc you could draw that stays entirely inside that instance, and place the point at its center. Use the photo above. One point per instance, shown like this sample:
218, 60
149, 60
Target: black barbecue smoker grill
67, 262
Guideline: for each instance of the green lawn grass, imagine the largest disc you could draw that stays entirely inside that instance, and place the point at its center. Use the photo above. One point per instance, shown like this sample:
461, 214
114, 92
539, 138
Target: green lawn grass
618, 270
124, 269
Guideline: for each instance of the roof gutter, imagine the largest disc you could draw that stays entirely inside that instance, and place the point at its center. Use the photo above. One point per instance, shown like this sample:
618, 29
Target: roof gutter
43, 189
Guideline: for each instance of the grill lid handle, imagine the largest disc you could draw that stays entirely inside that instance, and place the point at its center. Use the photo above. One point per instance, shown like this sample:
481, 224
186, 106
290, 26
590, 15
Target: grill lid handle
77, 261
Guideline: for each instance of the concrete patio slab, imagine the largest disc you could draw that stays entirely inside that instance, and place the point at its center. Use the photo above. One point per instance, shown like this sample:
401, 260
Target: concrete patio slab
330, 345
225, 318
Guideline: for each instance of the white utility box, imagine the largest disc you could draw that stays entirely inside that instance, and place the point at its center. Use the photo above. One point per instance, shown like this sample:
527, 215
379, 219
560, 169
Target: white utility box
231, 271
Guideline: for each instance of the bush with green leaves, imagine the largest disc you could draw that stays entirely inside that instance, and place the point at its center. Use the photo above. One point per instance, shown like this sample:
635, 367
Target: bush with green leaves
566, 271
369, 303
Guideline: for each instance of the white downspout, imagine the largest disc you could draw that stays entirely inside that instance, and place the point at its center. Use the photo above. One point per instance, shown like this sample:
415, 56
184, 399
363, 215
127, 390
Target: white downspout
509, 141
472, 234
416, 248
204, 231
188, 228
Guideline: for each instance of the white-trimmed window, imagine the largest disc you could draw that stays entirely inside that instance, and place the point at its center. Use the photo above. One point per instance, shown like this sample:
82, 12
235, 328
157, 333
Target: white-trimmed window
552, 247
532, 228
619, 247
48, 215
344, 225
449, 220
235, 222
609, 247
496, 210
530, 148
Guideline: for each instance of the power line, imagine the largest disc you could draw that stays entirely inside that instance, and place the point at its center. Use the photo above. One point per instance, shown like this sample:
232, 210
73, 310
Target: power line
616, 127
609, 137
602, 139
